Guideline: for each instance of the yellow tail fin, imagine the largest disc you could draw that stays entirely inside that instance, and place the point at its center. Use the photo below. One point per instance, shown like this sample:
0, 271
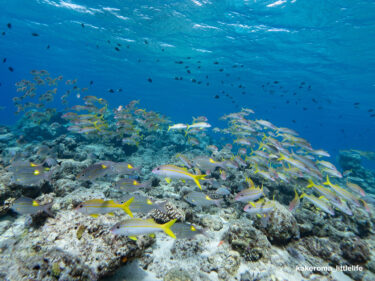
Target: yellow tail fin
281, 158
126, 205
327, 182
197, 178
311, 183
303, 195
167, 228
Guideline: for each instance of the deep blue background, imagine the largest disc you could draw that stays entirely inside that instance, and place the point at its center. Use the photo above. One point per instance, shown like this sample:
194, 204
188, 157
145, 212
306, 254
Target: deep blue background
326, 44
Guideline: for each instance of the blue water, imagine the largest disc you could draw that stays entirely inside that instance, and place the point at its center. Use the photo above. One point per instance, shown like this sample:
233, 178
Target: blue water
328, 45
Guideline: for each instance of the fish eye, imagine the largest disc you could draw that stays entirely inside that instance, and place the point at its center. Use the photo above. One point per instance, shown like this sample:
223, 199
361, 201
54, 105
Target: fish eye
118, 227
81, 206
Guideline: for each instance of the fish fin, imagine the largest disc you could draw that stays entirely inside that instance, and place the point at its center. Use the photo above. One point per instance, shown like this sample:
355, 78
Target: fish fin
252, 204
259, 216
111, 214
126, 205
302, 195
296, 193
150, 220
133, 238
197, 178
168, 180
184, 181
152, 235
311, 183
167, 228
322, 197
327, 182
282, 157
94, 215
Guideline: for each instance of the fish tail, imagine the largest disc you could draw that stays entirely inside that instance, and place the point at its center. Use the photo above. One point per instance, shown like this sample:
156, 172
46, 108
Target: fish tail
126, 205
311, 183
47, 209
281, 158
327, 182
197, 178
303, 195
167, 228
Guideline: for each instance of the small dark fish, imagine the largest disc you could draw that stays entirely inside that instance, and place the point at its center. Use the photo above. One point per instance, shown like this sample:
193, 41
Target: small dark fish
117, 49
217, 96
35, 34
118, 44
111, 90
119, 90
3, 33
372, 115
48, 46
176, 78
4, 60
149, 80
146, 42
188, 71
275, 82
294, 121
179, 62
370, 110
221, 70
91, 82
216, 62
11, 69
356, 103
83, 25
193, 80
9, 25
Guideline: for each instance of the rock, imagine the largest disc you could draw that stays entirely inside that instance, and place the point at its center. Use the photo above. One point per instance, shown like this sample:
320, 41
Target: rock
225, 263
169, 212
250, 242
177, 274
211, 222
281, 226
355, 250
97, 253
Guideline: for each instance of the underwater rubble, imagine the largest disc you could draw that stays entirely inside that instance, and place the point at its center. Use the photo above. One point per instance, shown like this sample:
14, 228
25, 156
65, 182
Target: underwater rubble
90, 192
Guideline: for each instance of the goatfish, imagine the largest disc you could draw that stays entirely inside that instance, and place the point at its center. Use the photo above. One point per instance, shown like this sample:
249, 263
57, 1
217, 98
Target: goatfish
94, 207
144, 205
343, 193
171, 171
330, 195
199, 125
186, 230
198, 198
131, 185
249, 194
356, 188
178, 126
184, 160
28, 206
94, 171
207, 163
319, 203
134, 227
294, 204
260, 207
